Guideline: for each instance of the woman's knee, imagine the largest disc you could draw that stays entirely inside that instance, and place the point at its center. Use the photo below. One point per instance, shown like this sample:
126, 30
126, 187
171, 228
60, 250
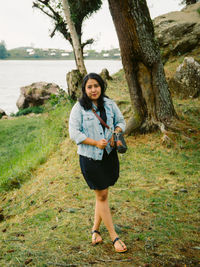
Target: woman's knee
102, 195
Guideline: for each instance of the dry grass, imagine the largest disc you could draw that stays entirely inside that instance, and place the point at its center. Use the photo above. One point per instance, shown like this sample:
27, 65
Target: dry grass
155, 205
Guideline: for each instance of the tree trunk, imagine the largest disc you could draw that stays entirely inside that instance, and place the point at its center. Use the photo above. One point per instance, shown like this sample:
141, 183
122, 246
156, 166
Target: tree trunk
149, 93
75, 40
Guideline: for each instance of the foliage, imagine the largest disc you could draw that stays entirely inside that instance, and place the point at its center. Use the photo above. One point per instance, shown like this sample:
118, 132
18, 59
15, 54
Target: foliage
188, 2
3, 51
60, 99
57, 54
25, 111
80, 10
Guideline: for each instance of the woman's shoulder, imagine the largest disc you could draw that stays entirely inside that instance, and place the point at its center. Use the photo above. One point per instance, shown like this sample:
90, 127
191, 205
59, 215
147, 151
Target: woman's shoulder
108, 101
76, 108
77, 105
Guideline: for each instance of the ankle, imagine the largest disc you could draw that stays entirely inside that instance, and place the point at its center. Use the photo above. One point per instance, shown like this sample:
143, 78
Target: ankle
113, 236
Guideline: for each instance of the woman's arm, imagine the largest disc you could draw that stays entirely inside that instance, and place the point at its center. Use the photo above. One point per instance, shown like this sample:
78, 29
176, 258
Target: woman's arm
75, 125
100, 144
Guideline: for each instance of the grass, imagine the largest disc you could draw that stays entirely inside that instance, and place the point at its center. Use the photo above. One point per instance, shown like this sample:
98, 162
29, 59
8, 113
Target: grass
26, 143
155, 203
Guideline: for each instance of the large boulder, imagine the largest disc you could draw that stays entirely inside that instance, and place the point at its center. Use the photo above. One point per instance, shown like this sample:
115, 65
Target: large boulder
2, 113
178, 32
186, 81
36, 94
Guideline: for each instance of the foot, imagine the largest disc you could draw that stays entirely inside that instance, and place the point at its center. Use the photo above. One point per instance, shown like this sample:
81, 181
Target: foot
119, 245
96, 237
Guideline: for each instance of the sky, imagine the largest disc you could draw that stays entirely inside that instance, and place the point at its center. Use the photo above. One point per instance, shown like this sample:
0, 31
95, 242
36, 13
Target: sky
21, 25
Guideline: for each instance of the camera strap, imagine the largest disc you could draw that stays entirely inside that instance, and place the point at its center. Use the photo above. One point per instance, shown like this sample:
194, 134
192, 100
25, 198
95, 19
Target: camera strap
100, 119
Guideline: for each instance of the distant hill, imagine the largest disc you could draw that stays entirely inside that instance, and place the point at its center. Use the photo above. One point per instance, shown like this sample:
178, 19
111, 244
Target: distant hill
23, 53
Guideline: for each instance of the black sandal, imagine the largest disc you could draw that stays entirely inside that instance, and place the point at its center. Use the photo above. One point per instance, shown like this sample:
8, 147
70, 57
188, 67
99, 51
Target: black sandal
94, 242
124, 248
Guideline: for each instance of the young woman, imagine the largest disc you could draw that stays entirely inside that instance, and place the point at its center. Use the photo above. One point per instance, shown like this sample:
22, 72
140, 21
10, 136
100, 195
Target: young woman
98, 158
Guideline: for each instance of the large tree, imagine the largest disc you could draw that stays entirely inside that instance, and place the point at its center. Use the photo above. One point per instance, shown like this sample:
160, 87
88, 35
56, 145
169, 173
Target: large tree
76, 42
150, 96
79, 9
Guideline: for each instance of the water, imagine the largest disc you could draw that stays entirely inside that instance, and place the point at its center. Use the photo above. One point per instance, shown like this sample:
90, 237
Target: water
17, 73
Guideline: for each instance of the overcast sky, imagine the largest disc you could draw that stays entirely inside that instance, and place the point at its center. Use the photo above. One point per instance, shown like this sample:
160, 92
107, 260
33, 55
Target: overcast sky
20, 25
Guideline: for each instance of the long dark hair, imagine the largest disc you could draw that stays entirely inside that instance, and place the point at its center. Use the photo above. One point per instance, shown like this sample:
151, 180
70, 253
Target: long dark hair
85, 101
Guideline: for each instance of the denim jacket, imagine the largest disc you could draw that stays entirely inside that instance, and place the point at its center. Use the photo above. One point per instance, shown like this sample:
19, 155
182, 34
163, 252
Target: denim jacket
84, 123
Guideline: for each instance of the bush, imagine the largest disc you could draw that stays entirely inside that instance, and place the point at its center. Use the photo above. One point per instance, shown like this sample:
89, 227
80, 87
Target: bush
36, 110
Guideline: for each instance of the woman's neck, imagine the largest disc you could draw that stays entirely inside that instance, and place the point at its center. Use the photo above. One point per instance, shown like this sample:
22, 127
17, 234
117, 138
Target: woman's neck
95, 103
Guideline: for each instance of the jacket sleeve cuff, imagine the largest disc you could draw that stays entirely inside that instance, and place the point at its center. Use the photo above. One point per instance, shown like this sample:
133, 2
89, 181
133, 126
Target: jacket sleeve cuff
80, 138
122, 126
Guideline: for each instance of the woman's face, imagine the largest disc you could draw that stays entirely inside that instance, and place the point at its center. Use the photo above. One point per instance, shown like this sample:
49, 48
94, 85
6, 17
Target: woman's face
93, 89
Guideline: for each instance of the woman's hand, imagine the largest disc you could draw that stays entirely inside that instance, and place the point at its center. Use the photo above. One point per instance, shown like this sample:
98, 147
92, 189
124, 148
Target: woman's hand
101, 143
112, 141
118, 129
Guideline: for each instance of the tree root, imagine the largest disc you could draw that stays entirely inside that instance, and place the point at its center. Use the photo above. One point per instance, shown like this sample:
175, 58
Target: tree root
170, 129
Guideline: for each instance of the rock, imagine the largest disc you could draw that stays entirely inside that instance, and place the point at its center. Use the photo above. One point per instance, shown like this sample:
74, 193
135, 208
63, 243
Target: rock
178, 32
183, 190
105, 75
74, 82
2, 113
36, 94
186, 81
5, 117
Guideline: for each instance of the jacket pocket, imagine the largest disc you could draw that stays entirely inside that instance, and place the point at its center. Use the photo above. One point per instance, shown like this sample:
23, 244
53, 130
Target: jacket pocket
88, 122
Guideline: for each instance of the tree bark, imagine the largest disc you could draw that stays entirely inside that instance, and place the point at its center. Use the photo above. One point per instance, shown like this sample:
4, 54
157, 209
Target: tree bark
149, 93
75, 39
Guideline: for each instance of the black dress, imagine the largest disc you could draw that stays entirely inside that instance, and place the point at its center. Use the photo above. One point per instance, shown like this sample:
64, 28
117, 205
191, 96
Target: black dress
100, 174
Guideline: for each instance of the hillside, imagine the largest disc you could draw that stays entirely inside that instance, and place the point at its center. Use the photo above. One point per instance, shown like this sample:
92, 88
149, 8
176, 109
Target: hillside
47, 220
31, 53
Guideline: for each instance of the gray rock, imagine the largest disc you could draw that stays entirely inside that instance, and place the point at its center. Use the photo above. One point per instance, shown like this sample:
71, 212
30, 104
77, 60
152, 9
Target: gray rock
178, 32
105, 75
36, 94
186, 81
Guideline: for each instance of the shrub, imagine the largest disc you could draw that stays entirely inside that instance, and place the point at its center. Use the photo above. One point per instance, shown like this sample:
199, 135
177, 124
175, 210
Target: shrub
36, 110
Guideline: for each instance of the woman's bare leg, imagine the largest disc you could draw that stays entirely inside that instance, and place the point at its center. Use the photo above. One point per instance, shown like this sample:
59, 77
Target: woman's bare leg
103, 210
96, 238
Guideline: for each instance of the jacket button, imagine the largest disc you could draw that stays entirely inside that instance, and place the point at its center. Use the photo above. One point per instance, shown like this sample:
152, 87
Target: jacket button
100, 133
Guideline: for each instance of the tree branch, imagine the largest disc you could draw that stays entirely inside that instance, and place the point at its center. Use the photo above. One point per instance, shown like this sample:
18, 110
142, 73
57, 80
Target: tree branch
39, 7
89, 41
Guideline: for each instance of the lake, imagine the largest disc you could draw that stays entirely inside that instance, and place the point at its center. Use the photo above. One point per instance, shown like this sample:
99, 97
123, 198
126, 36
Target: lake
17, 73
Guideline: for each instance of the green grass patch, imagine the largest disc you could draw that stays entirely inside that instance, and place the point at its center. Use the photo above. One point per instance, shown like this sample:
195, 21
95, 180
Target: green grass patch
26, 142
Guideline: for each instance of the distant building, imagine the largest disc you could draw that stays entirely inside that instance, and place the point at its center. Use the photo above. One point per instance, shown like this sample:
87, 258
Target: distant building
106, 55
64, 54
52, 54
30, 51
86, 54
